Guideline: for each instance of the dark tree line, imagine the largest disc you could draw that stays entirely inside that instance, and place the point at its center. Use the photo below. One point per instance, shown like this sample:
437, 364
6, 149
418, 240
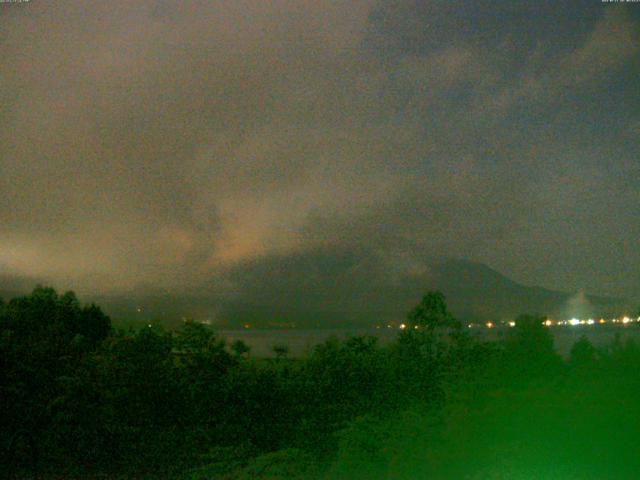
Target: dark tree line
79, 398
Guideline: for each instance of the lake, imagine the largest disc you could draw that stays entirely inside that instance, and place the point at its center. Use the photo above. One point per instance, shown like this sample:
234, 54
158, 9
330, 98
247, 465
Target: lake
301, 341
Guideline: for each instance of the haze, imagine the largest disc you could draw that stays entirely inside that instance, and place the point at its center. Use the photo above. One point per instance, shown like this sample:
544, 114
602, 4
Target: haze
165, 143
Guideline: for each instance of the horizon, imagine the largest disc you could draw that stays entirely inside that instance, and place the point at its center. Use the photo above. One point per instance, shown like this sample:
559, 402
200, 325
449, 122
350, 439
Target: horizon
473, 291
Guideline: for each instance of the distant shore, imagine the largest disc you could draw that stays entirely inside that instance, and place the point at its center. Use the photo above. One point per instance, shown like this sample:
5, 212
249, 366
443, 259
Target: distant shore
302, 341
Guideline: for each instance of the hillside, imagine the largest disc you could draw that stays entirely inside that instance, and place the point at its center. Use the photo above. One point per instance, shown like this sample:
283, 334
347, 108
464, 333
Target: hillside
323, 290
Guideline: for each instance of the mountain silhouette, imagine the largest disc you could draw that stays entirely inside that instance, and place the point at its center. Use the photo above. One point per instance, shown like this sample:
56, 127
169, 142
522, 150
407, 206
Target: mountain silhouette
360, 288
328, 289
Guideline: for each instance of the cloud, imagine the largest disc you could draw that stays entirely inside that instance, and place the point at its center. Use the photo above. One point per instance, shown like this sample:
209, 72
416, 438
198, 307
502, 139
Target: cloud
162, 142
614, 41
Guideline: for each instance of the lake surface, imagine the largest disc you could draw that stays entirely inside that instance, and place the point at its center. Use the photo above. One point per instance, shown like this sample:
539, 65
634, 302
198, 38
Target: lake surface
301, 342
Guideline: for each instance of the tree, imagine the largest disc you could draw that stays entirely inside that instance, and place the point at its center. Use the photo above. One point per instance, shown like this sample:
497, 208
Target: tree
46, 340
44, 314
240, 348
280, 351
200, 350
529, 348
193, 337
583, 353
431, 312
94, 325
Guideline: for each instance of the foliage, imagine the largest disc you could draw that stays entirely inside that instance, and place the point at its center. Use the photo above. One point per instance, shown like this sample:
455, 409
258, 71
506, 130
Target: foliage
583, 354
530, 340
240, 348
280, 351
80, 400
431, 313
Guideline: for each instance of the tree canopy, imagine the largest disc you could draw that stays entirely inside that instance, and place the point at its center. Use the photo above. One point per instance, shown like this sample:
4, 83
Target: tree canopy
431, 312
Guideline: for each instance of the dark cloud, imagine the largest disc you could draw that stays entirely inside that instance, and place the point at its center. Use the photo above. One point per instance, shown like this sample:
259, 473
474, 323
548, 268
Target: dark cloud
419, 27
164, 143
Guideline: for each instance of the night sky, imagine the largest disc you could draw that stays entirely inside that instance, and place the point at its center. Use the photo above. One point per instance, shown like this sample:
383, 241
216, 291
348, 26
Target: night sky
164, 143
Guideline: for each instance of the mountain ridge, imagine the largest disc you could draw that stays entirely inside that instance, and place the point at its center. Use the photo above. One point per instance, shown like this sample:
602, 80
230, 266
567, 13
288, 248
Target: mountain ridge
321, 289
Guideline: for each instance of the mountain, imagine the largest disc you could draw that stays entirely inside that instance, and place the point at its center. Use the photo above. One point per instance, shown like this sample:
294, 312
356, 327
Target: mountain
322, 288
327, 289
476, 291
16, 285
